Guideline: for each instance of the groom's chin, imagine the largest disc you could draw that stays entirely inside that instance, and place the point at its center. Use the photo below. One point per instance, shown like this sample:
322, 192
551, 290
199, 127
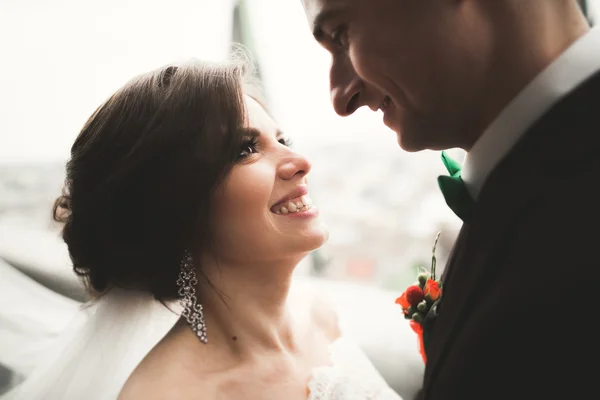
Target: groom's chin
417, 138
406, 138
408, 145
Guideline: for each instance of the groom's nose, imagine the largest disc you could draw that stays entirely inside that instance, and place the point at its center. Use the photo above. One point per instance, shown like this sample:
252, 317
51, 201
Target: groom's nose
346, 87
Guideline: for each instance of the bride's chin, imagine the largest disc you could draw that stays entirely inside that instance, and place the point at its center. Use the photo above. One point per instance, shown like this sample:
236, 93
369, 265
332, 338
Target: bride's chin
316, 240
299, 245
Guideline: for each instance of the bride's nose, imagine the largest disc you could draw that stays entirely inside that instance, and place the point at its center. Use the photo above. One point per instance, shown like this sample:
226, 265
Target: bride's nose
294, 165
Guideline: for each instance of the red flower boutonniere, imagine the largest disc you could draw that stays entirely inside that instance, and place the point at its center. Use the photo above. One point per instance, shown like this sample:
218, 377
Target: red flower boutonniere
419, 303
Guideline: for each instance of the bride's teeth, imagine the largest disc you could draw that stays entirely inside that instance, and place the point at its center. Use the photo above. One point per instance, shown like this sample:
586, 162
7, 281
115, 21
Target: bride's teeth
305, 203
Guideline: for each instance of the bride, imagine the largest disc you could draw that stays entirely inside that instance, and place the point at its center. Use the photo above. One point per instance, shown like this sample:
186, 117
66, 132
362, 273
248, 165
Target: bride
185, 212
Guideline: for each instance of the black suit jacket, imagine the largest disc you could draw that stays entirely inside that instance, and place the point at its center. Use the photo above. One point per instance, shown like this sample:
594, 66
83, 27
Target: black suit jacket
519, 318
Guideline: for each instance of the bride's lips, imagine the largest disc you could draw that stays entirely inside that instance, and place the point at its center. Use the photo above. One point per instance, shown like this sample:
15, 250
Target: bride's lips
311, 212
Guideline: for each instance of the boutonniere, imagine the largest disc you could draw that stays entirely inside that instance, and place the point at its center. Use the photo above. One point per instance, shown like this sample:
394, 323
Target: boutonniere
419, 303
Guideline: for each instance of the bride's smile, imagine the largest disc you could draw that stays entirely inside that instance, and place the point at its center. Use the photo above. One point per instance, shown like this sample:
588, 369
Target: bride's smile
298, 202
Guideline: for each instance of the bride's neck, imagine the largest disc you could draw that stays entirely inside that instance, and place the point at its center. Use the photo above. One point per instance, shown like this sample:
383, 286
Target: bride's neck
246, 307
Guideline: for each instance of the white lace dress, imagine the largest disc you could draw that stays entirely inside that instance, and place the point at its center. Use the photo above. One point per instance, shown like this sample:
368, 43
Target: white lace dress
351, 376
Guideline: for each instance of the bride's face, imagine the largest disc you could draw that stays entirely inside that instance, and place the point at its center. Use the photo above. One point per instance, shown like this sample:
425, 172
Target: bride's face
263, 211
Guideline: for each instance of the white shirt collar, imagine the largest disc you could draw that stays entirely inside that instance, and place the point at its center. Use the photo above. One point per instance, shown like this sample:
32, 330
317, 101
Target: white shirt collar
577, 63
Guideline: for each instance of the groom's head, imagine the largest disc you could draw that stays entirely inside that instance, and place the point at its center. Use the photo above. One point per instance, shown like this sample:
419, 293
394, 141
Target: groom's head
440, 70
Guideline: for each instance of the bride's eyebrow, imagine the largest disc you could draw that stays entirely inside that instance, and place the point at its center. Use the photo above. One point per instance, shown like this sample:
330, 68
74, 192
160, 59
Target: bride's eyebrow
250, 132
254, 133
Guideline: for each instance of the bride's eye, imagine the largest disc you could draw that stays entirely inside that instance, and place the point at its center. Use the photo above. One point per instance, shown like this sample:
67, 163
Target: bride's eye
248, 148
285, 141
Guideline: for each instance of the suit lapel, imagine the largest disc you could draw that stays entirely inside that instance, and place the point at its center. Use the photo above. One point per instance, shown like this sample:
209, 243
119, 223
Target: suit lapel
493, 218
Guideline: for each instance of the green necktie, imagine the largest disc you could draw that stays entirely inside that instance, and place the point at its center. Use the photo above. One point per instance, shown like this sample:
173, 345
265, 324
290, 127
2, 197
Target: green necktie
454, 190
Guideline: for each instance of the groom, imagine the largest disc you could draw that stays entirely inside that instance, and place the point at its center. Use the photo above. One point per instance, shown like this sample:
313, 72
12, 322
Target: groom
515, 83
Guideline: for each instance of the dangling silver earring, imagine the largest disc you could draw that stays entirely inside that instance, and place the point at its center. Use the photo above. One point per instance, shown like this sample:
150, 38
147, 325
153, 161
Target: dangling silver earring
192, 310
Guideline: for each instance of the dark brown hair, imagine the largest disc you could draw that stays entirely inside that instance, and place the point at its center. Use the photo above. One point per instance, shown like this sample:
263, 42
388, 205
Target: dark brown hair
142, 173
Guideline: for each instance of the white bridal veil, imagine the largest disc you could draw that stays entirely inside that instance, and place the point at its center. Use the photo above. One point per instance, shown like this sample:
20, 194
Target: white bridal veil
100, 349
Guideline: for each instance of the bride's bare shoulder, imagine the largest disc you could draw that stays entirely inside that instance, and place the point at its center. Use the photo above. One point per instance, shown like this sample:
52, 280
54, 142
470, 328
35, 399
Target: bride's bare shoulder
168, 372
154, 381
159, 382
161, 389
